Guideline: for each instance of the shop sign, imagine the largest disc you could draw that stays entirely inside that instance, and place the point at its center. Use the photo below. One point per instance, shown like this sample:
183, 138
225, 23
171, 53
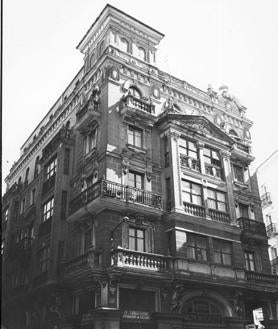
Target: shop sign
136, 315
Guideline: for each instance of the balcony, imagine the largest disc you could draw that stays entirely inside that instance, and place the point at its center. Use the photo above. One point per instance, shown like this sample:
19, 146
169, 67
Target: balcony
193, 209
213, 170
271, 230
190, 163
252, 226
219, 216
135, 106
266, 200
140, 260
115, 191
261, 279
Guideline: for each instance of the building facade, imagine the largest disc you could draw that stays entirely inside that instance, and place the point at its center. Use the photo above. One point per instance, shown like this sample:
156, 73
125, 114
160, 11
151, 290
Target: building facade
267, 176
131, 205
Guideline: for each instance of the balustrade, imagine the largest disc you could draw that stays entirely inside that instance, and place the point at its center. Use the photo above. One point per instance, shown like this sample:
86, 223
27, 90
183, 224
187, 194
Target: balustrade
252, 226
140, 104
271, 229
219, 216
261, 278
142, 260
194, 209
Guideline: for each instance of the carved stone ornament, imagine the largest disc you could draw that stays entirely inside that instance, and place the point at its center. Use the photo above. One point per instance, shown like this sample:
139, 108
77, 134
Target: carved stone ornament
200, 127
176, 299
125, 166
114, 73
94, 99
156, 92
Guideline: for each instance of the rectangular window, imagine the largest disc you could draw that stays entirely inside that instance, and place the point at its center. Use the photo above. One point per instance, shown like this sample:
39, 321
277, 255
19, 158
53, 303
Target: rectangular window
47, 210
196, 247
33, 196
90, 141
22, 206
191, 192
222, 251
188, 148
66, 161
135, 136
6, 214
136, 180
43, 257
166, 152
50, 169
238, 173
136, 239
243, 210
217, 200
249, 260
212, 162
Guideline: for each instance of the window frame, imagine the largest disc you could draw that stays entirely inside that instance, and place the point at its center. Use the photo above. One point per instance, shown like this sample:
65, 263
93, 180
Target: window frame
222, 244
136, 174
196, 248
136, 238
51, 168
46, 211
132, 138
191, 194
215, 199
250, 264
187, 150
43, 259
90, 141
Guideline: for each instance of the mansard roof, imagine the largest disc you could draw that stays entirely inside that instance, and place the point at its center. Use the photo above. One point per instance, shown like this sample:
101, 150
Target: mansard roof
197, 123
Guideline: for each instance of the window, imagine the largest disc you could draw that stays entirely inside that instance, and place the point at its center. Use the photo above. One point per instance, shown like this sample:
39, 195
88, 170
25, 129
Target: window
50, 169
142, 53
6, 214
249, 260
136, 239
238, 173
243, 210
135, 136
27, 175
222, 251
188, 148
22, 206
124, 45
2, 247
48, 210
202, 310
90, 141
217, 200
32, 196
191, 192
37, 167
196, 247
212, 162
43, 257
135, 180
166, 152
133, 91
88, 239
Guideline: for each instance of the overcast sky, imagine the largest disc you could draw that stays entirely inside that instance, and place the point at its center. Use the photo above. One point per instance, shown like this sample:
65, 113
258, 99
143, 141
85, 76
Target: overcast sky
206, 42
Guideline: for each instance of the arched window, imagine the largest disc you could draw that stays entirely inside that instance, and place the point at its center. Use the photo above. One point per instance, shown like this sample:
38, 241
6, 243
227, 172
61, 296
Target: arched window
37, 167
202, 309
19, 180
101, 48
142, 53
27, 175
124, 45
134, 92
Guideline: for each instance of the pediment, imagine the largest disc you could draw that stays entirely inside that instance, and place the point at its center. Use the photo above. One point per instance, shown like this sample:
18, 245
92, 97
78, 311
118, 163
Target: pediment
199, 124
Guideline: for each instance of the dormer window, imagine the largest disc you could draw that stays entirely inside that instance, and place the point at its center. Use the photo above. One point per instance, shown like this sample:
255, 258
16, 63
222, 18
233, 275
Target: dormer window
142, 53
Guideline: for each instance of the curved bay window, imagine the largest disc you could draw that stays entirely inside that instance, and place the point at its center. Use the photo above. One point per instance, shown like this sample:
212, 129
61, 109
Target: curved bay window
202, 310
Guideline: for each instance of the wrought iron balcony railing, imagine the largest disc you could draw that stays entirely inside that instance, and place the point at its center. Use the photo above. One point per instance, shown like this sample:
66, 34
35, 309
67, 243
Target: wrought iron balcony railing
219, 216
266, 200
113, 190
194, 209
188, 162
252, 226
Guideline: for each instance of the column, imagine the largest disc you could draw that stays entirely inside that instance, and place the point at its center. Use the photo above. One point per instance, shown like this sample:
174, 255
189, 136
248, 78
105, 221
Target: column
175, 170
229, 183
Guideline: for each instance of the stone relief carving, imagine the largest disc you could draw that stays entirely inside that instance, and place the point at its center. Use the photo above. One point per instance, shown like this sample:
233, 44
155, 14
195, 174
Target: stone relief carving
94, 99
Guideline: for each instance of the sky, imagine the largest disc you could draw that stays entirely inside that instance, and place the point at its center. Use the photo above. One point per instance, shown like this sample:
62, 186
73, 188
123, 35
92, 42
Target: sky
234, 42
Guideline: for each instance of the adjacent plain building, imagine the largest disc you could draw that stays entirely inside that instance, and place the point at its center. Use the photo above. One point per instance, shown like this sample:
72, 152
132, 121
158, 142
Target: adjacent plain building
267, 175
131, 205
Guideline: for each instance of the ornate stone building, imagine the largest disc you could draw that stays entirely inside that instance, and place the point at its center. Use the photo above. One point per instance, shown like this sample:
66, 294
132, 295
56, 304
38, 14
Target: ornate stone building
131, 204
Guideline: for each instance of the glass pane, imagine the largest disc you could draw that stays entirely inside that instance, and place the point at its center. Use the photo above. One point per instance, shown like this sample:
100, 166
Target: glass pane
192, 146
138, 138
211, 204
227, 259
196, 199
186, 197
221, 206
130, 136
131, 179
140, 244
183, 143
140, 233
192, 154
131, 243
139, 181
252, 265
221, 196
186, 186
211, 194
201, 242
215, 155
206, 152
131, 232
190, 252
196, 189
